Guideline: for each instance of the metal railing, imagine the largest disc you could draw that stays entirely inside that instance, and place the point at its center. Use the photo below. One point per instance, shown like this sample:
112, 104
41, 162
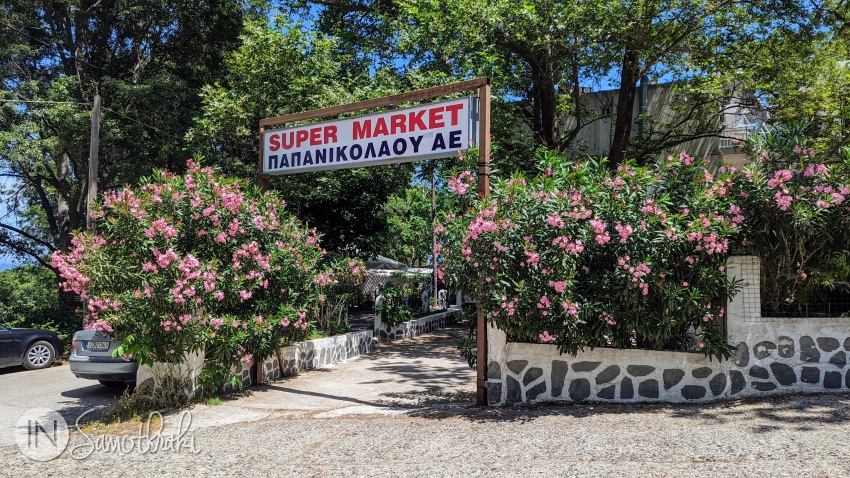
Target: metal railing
736, 138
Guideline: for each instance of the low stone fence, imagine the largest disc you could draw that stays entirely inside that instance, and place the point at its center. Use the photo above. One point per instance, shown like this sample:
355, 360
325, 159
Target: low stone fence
413, 328
773, 356
311, 354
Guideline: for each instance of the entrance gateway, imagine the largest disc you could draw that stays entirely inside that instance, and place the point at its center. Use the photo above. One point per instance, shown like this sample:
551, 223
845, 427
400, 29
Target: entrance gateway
428, 131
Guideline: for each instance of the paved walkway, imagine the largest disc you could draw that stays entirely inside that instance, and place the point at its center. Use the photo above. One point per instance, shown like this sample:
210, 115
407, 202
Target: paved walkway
411, 376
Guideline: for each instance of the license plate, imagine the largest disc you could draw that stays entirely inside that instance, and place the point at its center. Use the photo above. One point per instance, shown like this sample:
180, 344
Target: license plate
98, 345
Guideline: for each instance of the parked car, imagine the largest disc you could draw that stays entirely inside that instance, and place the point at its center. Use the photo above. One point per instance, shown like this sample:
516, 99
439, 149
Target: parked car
91, 358
32, 348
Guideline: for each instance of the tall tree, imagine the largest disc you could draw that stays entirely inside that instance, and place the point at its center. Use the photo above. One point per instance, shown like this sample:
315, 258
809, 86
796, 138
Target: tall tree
147, 59
282, 67
806, 81
544, 54
409, 219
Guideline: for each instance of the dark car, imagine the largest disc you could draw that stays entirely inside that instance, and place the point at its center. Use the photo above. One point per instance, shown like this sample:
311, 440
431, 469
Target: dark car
32, 348
91, 358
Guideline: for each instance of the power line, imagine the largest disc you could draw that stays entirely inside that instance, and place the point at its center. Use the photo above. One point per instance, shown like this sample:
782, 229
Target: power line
76, 58
46, 102
141, 123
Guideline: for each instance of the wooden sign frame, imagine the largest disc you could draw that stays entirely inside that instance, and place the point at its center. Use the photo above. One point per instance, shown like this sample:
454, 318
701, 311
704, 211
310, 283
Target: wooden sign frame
482, 85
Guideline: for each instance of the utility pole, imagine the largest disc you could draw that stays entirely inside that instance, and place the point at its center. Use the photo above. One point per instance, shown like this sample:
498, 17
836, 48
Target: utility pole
93, 156
433, 231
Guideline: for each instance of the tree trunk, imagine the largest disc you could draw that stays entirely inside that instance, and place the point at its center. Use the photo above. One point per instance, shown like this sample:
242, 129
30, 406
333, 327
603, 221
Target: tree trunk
625, 109
63, 208
549, 128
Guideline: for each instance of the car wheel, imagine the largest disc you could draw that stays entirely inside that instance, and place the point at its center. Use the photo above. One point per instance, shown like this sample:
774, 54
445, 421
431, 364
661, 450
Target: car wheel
39, 355
113, 383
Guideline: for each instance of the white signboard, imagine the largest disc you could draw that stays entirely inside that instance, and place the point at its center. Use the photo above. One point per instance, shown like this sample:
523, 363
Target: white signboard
435, 130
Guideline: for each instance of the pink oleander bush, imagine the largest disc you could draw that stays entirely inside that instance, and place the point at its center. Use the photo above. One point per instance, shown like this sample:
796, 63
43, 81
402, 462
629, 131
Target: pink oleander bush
580, 256
201, 261
797, 205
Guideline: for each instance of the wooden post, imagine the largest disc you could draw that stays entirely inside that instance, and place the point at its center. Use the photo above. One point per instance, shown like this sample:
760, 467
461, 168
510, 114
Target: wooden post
91, 197
263, 183
433, 234
483, 193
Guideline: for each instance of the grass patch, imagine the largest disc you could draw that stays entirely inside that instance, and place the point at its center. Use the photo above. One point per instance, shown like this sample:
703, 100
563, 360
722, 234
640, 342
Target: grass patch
213, 401
122, 427
317, 334
163, 391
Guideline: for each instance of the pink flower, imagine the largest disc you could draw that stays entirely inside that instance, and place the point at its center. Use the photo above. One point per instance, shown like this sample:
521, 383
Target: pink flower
163, 259
783, 200
602, 239
533, 258
598, 225
559, 286
570, 307
555, 221
482, 224
460, 184
245, 294
779, 178
567, 244
623, 231
546, 338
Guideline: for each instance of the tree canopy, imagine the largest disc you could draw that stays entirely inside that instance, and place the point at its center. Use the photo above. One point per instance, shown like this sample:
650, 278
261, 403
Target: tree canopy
146, 59
546, 56
178, 78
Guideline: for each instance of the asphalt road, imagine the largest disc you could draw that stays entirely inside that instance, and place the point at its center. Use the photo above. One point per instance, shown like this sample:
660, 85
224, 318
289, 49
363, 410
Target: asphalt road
55, 388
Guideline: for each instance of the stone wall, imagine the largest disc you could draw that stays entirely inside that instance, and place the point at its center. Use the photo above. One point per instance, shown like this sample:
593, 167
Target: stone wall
189, 371
413, 328
311, 354
773, 356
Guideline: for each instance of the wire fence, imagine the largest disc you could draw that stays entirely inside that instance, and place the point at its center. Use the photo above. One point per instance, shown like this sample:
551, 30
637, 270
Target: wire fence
829, 303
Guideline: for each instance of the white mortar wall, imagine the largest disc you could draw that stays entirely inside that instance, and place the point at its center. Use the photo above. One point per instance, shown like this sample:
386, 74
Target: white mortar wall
774, 355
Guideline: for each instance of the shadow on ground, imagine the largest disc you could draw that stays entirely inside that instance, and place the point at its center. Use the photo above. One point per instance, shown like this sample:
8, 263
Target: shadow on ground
89, 403
425, 377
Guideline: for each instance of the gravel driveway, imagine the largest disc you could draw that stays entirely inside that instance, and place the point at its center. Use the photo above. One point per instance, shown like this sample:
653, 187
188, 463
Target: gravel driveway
376, 417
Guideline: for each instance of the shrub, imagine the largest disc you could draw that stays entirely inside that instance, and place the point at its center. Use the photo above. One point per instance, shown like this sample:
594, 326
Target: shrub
798, 221
394, 309
581, 256
197, 261
29, 298
335, 290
